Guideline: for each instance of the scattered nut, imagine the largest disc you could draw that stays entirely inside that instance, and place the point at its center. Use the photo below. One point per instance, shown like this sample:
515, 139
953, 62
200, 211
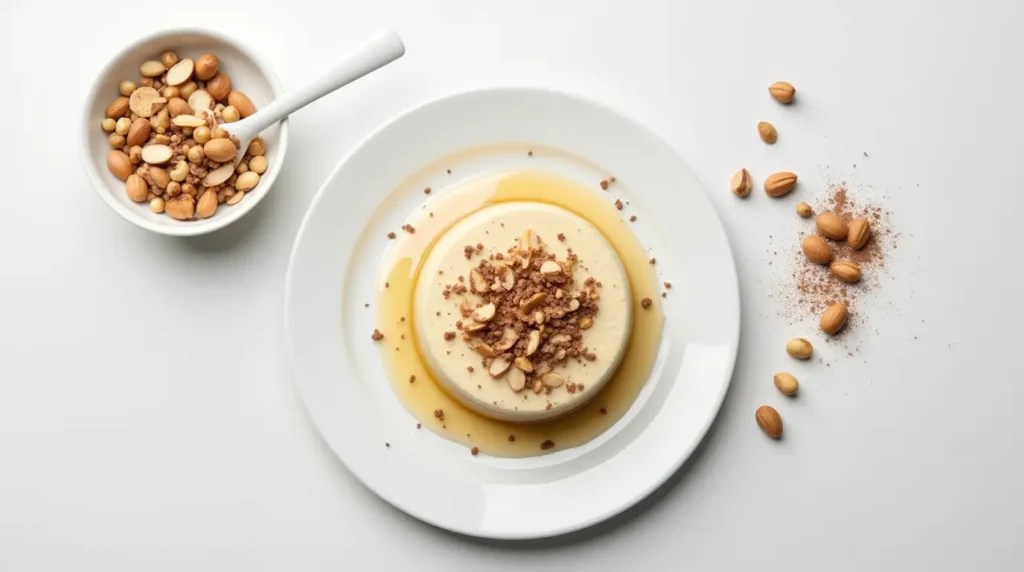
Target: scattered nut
118, 108
138, 132
832, 226
799, 348
769, 421
846, 271
180, 72
552, 379
157, 154
786, 383
126, 87
817, 250
834, 318
524, 364
804, 210
207, 204
782, 91
740, 183
859, 232
152, 68
499, 366
778, 184
156, 205
533, 342
484, 313
767, 132
181, 207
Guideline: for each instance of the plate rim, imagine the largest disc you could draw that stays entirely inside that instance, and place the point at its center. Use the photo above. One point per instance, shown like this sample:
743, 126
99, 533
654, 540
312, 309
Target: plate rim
409, 111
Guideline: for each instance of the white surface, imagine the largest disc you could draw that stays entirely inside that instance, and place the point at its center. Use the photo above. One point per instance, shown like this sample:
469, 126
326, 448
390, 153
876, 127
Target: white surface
334, 269
249, 72
146, 420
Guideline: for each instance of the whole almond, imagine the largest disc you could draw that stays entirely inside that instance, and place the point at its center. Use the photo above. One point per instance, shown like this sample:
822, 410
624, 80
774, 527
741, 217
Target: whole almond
846, 271
769, 421
799, 348
740, 183
817, 250
834, 318
138, 132
157, 154
207, 204
219, 86
778, 184
830, 225
804, 210
220, 150
860, 231
242, 103
119, 164
177, 106
767, 132
206, 66
786, 383
136, 188
782, 91
117, 108
181, 207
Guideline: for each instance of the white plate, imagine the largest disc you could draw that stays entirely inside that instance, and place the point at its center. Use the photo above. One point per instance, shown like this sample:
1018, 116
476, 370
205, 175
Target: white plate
334, 270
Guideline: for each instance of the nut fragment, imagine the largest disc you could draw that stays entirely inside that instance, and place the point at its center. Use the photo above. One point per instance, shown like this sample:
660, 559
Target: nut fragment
499, 366
160, 177
786, 383
832, 226
533, 301
574, 305
804, 210
505, 274
484, 313
235, 199
532, 342
516, 379
138, 133
181, 207
207, 205
157, 154
860, 231
152, 68
477, 282
846, 271
552, 379
767, 132
185, 120
524, 364
817, 250
509, 337
586, 323
740, 183
799, 348
834, 318
180, 72
550, 268
778, 184
200, 101
782, 91
769, 421
146, 101
474, 327
485, 350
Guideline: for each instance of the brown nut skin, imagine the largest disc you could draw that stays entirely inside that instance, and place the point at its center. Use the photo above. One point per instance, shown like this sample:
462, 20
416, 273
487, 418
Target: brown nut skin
241, 102
119, 164
117, 108
219, 86
769, 420
207, 66
138, 133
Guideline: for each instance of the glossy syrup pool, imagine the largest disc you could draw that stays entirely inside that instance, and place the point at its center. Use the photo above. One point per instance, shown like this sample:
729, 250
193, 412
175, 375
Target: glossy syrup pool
400, 351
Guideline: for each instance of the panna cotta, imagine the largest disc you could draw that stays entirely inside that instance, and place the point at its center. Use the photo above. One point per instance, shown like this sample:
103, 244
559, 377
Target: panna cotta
522, 311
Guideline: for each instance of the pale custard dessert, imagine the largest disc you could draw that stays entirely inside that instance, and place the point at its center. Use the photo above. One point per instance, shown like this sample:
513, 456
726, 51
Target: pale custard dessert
523, 311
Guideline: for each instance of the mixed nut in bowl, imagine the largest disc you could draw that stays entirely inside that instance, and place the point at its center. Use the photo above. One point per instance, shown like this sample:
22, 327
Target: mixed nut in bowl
157, 132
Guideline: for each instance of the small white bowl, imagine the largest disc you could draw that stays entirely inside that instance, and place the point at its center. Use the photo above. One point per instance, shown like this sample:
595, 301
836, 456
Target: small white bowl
249, 74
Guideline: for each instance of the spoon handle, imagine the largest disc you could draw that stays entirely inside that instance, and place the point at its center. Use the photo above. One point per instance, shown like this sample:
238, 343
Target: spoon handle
383, 48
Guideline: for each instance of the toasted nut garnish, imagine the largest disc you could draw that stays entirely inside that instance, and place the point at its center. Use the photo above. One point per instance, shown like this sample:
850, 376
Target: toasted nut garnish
477, 283
516, 379
574, 305
526, 243
524, 364
464, 308
586, 322
507, 276
550, 268
560, 354
769, 421
485, 313
538, 386
560, 339
533, 301
509, 337
552, 379
532, 342
832, 226
499, 366
485, 350
799, 348
538, 317
474, 327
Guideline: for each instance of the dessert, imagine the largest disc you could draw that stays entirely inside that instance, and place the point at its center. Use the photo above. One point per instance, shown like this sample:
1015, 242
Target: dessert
517, 324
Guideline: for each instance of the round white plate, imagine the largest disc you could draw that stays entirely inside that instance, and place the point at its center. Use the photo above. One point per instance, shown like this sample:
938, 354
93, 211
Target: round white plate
335, 268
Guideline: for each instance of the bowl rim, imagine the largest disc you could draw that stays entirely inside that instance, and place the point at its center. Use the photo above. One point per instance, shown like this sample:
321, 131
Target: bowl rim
193, 228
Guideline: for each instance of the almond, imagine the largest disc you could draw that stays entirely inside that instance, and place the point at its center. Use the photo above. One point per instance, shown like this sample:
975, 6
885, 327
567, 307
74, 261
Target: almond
778, 184
186, 120
138, 133
484, 313
474, 327
206, 66
219, 175
769, 421
157, 154
817, 250
786, 383
782, 91
524, 364
740, 183
552, 379
136, 188
533, 301
860, 231
499, 366
200, 100
509, 337
146, 101
220, 150
118, 108
804, 210
526, 242
832, 226
507, 277
477, 283
119, 164
160, 177
219, 86
242, 103
177, 106
532, 342
767, 132
181, 207
834, 318
485, 350
799, 348
207, 205
516, 379
550, 268
180, 72
846, 271
538, 317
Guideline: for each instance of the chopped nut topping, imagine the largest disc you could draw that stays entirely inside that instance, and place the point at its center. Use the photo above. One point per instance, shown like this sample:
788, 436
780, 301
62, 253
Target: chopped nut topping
439, 413
632, 218
653, 260
646, 303
561, 237
604, 184
409, 228
392, 235
618, 204
668, 285
547, 445
377, 336
426, 191
412, 379
474, 451
449, 336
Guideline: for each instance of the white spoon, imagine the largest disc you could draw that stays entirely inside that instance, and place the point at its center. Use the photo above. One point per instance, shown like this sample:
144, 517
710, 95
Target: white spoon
380, 50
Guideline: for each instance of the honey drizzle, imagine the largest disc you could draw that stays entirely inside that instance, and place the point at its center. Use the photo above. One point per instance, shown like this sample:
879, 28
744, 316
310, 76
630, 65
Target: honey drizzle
400, 351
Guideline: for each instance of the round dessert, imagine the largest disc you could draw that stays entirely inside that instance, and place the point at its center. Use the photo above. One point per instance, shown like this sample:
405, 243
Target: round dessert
522, 311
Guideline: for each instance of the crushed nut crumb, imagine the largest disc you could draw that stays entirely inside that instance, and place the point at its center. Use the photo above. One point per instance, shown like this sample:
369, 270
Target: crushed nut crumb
449, 336
412, 379
529, 153
392, 235
469, 368
439, 413
409, 228
632, 218
426, 191
547, 445
618, 204
419, 425
668, 285
475, 451
646, 303
604, 184
377, 336
653, 260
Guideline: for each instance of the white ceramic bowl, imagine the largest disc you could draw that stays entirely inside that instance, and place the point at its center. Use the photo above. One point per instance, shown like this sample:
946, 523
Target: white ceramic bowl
249, 74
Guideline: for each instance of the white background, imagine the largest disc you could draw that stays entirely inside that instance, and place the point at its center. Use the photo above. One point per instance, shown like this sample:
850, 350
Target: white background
146, 417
